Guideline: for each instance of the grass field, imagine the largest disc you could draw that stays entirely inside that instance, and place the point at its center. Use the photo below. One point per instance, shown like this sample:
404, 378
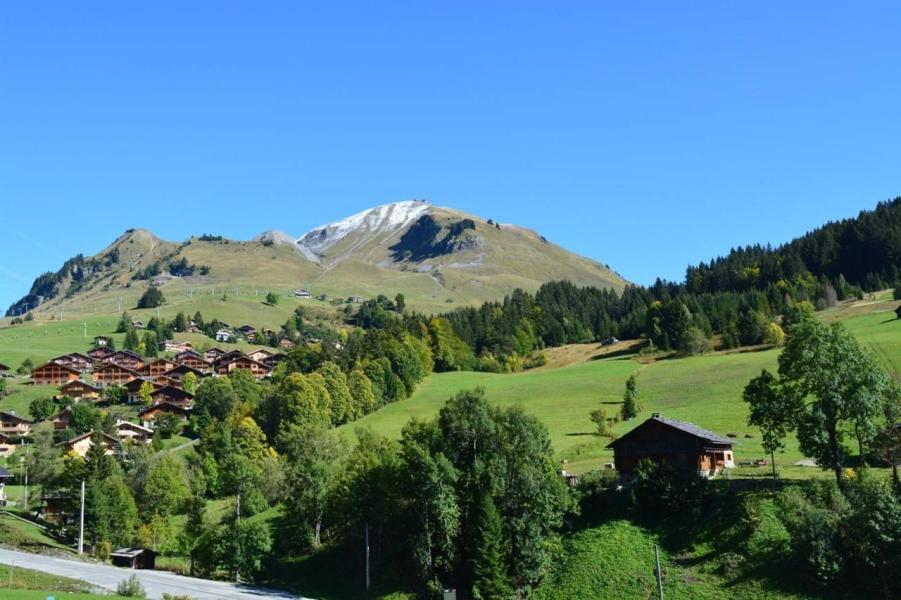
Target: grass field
705, 390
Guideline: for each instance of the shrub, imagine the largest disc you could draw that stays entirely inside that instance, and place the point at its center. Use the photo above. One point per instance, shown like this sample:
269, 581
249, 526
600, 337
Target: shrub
131, 588
660, 488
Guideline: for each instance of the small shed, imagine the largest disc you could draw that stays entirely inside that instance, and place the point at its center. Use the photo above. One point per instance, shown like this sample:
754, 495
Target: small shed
134, 558
4, 477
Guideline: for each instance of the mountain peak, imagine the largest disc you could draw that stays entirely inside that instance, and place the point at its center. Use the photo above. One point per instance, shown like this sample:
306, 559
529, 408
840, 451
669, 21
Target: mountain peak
381, 219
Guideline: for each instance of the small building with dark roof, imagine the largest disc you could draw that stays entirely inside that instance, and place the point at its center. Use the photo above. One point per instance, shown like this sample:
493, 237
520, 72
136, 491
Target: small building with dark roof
172, 394
152, 413
78, 389
52, 373
680, 444
133, 558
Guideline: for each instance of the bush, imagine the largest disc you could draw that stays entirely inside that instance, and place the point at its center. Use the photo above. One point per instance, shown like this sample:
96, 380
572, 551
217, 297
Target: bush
131, 588
152, 298
660, 488
104, 549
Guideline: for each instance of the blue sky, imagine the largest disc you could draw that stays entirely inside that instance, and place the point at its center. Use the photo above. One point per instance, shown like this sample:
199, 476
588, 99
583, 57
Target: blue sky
645, 135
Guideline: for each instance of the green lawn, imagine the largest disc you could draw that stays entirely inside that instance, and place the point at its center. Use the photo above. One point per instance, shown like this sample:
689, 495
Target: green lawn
26, 536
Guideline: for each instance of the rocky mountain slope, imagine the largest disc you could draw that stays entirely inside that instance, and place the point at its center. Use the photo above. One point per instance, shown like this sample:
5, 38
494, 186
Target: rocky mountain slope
438, 257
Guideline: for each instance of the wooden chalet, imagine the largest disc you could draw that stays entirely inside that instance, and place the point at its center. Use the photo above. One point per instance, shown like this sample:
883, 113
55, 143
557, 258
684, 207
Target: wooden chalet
111, 373
62, 420
152, 413
12, 424
76, 360
248, 331
212, 354
228, 356
193, 327
178, 372
7, 446
273, 360
680, 444
137, 323
257, 369
261, 354
175, 346
133, 558
126, 358
102, 341
173, 395
162, 380
302, 293
158, 367
193, 360
81, 444
287, 344
4, 369
100, 353
54, 374
131, 432
77, 390
133, 388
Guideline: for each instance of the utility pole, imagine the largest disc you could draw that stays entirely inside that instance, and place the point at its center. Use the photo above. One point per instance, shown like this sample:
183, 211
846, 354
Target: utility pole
367, 555
25, 465
238, 539
659, 575
85, 329
81, 523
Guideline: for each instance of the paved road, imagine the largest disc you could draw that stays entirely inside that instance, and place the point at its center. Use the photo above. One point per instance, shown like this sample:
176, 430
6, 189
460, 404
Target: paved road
155, 583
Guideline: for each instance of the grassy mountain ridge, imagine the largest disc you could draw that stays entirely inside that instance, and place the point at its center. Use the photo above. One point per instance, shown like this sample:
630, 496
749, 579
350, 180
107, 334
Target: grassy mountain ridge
452, 264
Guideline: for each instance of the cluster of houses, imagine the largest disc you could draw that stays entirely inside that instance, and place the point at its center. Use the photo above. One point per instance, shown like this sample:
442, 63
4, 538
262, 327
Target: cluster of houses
134, 373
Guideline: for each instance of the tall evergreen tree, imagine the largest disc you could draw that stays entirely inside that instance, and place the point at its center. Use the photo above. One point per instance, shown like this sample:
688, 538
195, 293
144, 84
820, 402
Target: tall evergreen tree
490, 578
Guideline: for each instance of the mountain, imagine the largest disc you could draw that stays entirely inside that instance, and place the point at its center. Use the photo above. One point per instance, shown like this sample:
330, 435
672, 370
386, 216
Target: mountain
437, 257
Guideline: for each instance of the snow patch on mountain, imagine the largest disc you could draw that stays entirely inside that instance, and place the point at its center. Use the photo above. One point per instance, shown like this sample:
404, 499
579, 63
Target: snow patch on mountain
385, 218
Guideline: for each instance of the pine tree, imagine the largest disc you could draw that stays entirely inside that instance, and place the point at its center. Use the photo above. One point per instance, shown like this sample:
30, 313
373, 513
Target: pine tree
490, 578
630, 408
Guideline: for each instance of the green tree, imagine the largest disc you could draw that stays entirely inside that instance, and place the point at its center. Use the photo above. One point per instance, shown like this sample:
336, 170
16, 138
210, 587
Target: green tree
124, 325
151, 344
361, 391
827, 386
42, 409
26, 366
166, 490
772, 411
631, 407
132, 342
115, 393
314, 454
490, 578
342, 405
189, 382
181, 322
400, 303
295, 401
144, 392
599, 418
215, 399
152, 298
272, 298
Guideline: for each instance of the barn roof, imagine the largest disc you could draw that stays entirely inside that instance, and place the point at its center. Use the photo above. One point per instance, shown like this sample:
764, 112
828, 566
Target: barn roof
689, 428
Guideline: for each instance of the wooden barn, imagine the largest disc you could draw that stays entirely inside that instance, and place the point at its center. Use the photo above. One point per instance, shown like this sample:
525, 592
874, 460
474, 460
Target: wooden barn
130, 432
102, 341
114, 373
213, 354
261, 354
193, 360
77, 390
4, 369
12, 424
53, 374
178, 372
678, 443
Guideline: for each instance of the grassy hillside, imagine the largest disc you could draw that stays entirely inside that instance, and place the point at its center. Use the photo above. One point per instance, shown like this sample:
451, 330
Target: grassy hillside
705, 390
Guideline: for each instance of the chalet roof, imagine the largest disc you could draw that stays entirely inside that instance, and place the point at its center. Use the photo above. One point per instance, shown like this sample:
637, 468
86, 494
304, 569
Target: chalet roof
56, 366
67, 409
77, 439
171, 390
241, 357
227, 357
79, 382
129, 424
165, 406
182, 368
102, 337
265, 351
4, 474
127, 353
7, 416
135, 384
689, 428
84, 357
